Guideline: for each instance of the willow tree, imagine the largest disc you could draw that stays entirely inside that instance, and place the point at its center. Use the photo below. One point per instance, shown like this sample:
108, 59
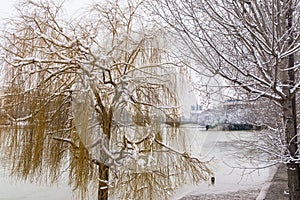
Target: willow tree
252, 44
88, 96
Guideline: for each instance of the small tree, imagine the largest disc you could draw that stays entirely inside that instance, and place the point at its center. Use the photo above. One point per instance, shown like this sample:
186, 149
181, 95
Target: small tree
253, 45
90, 95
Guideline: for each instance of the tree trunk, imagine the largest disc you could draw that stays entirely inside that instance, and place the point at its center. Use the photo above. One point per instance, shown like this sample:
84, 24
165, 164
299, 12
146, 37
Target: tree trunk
103, 178
293, 181
290, 116
293, 169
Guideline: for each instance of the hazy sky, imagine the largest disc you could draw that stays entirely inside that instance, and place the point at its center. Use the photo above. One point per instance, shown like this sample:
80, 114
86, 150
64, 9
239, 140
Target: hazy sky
7, 6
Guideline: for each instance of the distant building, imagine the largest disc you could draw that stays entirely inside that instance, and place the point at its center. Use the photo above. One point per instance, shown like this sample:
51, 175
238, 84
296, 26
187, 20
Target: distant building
195, 112
196, 107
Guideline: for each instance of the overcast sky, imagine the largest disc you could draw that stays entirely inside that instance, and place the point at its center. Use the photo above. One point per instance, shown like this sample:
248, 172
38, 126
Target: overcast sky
7, 6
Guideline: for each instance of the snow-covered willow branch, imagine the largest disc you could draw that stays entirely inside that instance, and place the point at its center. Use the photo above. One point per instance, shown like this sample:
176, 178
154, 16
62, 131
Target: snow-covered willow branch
77, 85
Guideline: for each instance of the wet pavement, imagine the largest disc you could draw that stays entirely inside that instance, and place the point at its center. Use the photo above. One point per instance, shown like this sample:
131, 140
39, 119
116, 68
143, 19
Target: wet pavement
274, 189
279, 186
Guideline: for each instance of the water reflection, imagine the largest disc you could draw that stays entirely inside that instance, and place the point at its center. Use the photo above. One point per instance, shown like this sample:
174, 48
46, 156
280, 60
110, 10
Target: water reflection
232, 170
218, 146
13, 190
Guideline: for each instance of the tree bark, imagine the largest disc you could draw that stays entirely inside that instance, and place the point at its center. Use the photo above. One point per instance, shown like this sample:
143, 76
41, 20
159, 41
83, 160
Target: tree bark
103, 177
290, 116
293, 169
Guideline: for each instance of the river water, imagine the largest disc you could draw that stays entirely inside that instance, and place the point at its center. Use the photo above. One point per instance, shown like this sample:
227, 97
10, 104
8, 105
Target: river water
220, 147
11, 189
232, 168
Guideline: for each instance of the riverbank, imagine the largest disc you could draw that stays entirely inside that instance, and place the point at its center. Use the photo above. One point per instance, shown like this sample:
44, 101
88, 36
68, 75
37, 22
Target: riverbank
274, 189
279, 185
240, 195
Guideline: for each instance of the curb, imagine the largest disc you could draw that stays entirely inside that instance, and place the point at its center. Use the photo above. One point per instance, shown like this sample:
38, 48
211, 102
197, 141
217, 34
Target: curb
265, 188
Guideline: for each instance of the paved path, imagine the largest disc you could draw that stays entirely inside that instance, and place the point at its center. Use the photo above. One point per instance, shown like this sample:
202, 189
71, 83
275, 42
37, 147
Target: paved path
273, 190
279, 186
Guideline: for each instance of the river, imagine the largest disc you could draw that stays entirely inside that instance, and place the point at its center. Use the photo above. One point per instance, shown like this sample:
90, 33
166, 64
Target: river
218, 146
232, 168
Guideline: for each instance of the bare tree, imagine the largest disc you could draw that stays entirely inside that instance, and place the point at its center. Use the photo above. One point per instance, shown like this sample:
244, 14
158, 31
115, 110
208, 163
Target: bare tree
253, 45
89, 95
